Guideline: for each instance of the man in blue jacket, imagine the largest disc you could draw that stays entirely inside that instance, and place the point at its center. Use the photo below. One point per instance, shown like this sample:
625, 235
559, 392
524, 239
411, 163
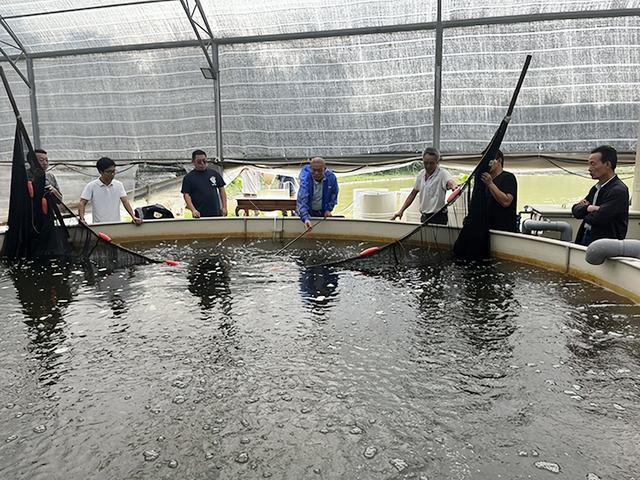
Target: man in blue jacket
318, 193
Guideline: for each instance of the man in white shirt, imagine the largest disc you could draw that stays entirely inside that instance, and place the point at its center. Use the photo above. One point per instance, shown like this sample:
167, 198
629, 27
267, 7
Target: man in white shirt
105, 194
431, 183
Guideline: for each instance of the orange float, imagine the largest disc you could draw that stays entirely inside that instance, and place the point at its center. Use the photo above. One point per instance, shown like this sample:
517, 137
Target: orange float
369, 251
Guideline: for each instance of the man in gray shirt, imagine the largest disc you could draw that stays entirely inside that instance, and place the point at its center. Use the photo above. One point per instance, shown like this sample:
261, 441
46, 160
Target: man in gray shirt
50, 181
431, 183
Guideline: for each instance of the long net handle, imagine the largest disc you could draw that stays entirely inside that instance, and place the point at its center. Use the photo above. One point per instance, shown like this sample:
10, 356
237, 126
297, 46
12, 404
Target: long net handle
504, 123
507, 117
497, 137
5, 82
516, 92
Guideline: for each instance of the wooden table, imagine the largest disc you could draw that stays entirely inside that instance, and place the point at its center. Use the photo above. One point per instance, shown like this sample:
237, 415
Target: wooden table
265, 204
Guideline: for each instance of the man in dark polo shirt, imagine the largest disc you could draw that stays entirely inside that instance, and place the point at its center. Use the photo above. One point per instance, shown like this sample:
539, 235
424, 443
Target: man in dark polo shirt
203, 189
502, 196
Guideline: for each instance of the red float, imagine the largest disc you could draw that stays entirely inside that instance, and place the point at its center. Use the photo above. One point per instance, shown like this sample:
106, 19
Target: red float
455, 194
369, 251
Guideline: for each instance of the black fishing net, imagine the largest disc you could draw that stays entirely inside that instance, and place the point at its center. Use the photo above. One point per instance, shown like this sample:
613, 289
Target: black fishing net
472, 241
416, 247
41, 226
96, 247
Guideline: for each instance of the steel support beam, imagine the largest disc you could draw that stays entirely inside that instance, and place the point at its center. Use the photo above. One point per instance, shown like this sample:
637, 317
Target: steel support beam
83, 9
635, 196
78, 52
29, 79
412, 27
18, 46
202, 29
14, 65
218, 103
437, 80
35, 122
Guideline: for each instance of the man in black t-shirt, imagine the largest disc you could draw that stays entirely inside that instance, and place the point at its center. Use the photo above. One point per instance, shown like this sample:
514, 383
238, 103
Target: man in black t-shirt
502, 196
203, 189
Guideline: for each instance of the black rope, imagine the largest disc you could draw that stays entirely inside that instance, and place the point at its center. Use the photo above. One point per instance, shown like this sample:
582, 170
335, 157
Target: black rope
576, 173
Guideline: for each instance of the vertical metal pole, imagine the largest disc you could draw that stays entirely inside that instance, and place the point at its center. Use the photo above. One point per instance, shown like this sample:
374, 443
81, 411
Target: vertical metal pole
35, 123
635, 196
217, 106
437, 80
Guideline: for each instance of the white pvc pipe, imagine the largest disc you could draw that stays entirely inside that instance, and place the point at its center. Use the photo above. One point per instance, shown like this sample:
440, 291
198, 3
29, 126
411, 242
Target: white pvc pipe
599, 250
566, 232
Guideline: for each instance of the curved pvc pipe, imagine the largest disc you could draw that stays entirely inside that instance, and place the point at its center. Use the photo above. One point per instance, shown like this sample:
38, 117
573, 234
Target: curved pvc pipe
599, 250
566, 232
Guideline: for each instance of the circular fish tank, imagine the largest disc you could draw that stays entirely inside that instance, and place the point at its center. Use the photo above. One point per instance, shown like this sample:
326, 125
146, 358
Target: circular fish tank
240, 363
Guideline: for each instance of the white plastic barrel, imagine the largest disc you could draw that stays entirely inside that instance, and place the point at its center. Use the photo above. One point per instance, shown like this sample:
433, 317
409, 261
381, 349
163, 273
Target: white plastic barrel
378, 205
357, 199
411, 214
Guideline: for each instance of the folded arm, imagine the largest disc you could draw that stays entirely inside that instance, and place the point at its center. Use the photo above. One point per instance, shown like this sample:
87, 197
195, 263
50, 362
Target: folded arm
616, 204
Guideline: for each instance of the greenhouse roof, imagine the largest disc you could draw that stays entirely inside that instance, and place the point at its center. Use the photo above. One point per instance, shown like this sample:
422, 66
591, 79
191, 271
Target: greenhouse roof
330, 77
46, 27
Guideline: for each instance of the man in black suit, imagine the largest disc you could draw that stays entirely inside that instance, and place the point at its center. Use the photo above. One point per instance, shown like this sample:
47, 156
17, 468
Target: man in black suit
605, 210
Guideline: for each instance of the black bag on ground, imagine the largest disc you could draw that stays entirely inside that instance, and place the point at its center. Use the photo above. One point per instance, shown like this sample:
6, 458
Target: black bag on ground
153, 212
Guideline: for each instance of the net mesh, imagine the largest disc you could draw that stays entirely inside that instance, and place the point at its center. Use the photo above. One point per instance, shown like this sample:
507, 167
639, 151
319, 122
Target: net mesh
42, 226
414, 248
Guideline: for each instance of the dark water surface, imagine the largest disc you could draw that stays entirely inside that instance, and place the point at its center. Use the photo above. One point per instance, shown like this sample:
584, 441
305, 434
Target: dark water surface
240, 364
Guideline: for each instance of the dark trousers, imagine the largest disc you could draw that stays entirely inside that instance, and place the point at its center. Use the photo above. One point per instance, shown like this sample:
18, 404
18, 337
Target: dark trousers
439, 218
316, 213
586, 238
